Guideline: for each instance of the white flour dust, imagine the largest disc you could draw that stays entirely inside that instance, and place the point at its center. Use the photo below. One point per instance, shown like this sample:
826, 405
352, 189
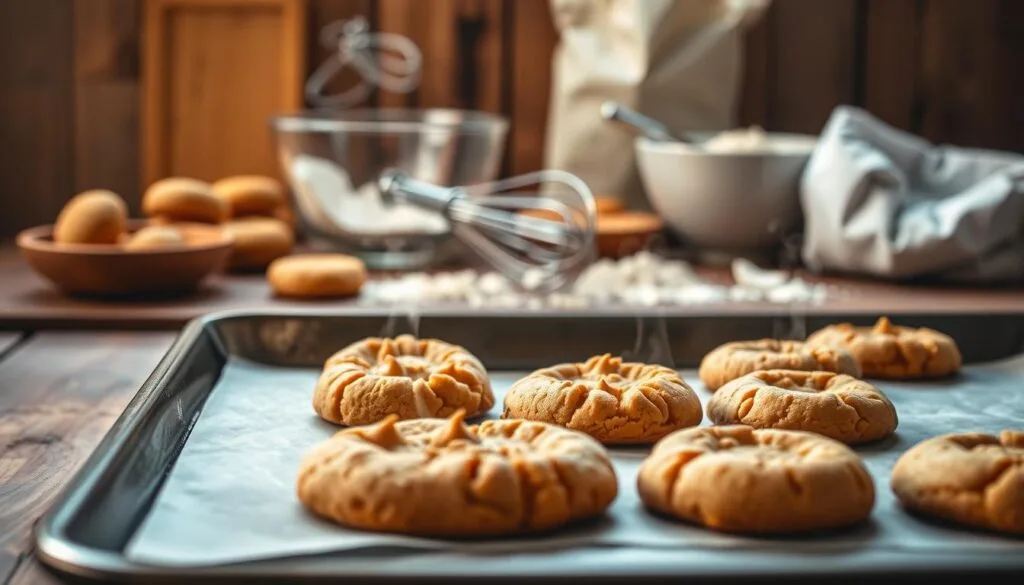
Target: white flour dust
644, 279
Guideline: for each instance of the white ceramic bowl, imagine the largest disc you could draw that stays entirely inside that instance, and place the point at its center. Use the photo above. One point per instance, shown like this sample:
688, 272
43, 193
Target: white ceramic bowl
732, 202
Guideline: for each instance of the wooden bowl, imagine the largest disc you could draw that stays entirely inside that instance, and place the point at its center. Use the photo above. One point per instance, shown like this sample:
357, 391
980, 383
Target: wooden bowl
626, 233
619, 232
110, 270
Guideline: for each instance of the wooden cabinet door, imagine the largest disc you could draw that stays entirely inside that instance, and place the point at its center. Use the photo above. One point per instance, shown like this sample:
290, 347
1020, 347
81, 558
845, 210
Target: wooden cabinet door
214, 72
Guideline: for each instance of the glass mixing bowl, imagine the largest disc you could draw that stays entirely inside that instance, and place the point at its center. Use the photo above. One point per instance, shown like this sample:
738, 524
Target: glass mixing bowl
332, 161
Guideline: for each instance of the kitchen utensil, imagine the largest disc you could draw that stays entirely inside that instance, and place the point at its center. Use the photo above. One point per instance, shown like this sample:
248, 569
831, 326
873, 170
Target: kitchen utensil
389, 61
727, 204
641, 124
501, 224
111, 271
332, 162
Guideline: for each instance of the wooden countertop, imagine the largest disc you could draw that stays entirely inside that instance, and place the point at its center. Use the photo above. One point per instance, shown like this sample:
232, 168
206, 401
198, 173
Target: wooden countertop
27, 302
59, 394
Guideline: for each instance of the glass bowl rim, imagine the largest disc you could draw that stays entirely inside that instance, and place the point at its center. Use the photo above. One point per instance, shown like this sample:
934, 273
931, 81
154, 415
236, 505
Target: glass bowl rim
390, 121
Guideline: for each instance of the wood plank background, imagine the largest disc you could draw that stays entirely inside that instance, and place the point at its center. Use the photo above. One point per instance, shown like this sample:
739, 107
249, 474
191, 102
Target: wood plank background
946, 69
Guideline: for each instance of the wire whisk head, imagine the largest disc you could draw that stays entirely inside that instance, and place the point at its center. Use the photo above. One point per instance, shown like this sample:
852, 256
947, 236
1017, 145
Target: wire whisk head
537, 229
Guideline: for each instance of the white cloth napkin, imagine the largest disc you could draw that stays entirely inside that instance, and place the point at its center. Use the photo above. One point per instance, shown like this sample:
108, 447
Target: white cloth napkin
882, 202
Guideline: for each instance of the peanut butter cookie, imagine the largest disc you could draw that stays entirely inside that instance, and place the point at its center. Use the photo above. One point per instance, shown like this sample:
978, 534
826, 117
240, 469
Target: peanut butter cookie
412, 378
888, 351
970, 478
612, 401
834, 405
732, 360
442, 478
316, 276
737, 479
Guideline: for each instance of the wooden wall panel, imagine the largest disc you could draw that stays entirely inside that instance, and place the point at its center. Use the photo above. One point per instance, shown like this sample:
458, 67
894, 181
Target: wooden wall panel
892, 55
215, 72
70, 111
321, 13
753, 108
431, 26
970, 74
483, 65
36, 131
533, 39
812, 52
106, 92
463, 51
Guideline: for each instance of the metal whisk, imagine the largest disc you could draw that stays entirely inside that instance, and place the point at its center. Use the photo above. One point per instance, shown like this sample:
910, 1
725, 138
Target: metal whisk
540, 240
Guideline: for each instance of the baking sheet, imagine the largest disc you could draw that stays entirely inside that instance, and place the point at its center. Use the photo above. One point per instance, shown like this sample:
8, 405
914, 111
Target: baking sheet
231, 494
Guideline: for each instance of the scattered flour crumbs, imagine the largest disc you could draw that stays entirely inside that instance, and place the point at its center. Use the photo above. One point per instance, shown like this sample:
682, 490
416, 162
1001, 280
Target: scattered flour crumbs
644, 279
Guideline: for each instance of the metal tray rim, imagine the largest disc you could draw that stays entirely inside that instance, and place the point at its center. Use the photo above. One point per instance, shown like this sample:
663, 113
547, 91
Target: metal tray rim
65, 555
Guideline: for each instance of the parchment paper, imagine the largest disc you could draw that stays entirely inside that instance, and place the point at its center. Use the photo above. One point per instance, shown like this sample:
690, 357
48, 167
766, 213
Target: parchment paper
231, 495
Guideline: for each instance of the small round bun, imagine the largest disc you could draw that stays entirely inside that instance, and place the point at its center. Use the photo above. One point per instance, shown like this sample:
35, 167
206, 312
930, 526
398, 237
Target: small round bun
180, 199
316, 276
155, 237
285, 213
258, 241
250, 194
92, 217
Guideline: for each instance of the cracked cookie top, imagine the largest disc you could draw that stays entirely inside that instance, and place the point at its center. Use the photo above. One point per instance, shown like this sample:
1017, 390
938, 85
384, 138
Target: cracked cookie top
734, 478
732, 360
834, 405
615, 402
412, 378
971, 478
442, 477
889, 351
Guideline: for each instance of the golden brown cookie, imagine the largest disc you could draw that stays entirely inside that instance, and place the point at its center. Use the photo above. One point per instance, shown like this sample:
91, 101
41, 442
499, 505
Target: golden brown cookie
154, 237
316, 276
92, 217
732, 360
258, 241
250, 194
442, 478
834, 405
413, 378
970, 478
737, 479
888, 351
612, 401
183, 199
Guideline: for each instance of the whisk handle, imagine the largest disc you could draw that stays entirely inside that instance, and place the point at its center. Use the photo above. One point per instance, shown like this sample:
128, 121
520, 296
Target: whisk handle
397, 186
